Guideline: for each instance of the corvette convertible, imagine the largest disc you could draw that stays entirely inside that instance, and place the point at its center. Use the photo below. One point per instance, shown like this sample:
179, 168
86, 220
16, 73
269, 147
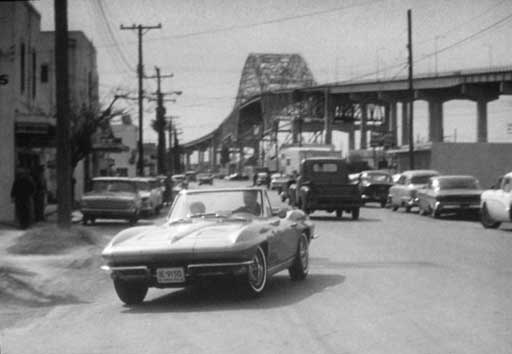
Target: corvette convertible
210, 233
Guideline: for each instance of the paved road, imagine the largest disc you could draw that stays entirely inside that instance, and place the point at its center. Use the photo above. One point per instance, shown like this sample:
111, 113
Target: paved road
388, 283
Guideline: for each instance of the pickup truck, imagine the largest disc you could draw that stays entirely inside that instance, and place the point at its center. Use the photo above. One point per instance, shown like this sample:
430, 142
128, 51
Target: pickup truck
323, 184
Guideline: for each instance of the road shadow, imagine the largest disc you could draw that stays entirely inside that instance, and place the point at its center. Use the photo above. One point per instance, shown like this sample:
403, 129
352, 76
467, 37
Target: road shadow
323, 262
225, 294
342, 219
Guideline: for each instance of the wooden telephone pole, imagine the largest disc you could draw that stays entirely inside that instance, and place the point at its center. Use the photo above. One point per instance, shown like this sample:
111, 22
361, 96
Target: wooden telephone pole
411, 92
64, 171
140, 74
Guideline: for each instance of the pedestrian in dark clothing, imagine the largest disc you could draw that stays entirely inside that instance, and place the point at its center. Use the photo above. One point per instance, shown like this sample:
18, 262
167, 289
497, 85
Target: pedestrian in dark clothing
22, 192
40, 193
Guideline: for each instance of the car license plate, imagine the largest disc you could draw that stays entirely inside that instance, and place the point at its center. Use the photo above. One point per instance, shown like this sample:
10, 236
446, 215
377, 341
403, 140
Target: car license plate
170, 275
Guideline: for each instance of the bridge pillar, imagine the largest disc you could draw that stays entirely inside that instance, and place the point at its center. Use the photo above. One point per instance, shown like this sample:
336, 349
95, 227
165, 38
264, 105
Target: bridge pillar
364, 117
296, 130
405, 123
328, 117
187, 160
481, 118
392, 122
213, 156
435, 111
351, 140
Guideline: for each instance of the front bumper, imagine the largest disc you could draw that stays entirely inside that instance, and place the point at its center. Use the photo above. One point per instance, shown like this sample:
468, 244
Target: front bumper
109, 213
454, 206
192, 271
333, 203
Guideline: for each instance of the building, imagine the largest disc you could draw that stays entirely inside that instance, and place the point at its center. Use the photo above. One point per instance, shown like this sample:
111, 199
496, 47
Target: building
27, 95
26, 130
83, 90
125, 163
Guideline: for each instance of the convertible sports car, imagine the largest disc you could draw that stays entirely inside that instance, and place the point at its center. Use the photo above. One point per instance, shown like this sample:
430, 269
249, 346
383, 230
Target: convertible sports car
211, 232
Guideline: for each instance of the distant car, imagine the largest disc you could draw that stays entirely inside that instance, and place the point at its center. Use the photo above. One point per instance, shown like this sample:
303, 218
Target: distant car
496, 203
211, 233
404, 192
449, 194
151, 195
111, 198
278, 181
262, 179
374, 186
205, 178
191, 176
237, 177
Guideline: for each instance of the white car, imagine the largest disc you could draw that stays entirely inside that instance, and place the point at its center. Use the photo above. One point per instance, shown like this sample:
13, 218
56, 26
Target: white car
150, 194
496, 203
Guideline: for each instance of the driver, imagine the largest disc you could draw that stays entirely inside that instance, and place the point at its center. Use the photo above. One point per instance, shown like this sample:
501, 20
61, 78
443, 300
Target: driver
197, 208
251, 204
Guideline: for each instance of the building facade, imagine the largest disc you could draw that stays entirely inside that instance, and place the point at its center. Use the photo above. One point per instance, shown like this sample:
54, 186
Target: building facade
27, 95
125, 162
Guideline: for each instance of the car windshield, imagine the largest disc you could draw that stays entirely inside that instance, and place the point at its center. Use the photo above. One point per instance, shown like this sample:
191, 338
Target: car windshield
223, 203
113, 186
421, 179
377, 178
458, 183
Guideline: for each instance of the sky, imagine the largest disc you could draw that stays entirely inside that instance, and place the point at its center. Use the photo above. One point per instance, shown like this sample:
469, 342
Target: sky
204, 43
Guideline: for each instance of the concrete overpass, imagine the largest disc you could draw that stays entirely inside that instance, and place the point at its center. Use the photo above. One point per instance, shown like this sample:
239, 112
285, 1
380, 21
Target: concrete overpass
349, 106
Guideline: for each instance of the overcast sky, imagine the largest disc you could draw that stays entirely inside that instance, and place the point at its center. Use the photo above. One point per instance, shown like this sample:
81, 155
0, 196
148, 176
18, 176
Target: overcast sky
205, 44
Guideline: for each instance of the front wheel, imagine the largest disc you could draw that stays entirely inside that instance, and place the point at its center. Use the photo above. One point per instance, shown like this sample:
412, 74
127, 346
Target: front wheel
486, 219
299, 269
257, 273
131, 293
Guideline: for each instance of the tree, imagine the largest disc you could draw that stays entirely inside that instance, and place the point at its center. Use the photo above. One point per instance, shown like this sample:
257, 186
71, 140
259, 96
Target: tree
85, 123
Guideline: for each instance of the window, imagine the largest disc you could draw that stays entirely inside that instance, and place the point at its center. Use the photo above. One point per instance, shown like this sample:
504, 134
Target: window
44, 73
325, 167
22, 67
34, 69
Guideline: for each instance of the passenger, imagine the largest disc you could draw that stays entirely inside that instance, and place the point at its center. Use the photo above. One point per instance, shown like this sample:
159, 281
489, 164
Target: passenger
251, 204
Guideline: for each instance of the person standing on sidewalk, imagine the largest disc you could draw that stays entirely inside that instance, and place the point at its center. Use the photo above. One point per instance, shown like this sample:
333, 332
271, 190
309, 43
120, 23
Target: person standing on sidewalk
40, 193
22, 192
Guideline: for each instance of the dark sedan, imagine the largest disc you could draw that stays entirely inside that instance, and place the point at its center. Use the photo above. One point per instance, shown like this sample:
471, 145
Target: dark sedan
374, 186
449, 194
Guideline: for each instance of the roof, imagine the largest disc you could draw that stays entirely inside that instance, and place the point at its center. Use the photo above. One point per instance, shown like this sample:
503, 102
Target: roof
210, 190
455, 176
420, 172
324, 158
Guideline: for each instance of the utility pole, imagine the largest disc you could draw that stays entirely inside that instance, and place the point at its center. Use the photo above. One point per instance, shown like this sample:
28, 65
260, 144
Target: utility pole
64, 172
140, 74
411, 92
160, 121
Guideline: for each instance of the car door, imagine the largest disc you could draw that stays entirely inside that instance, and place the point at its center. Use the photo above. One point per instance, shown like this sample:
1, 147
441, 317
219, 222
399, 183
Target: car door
424, 196
501, 200
286, 238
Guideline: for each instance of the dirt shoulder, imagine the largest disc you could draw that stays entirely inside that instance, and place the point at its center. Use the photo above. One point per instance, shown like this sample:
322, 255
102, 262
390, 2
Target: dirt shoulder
45, 267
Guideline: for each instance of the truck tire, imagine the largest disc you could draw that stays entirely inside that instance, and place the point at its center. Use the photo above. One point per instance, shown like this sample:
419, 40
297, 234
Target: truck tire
355, 213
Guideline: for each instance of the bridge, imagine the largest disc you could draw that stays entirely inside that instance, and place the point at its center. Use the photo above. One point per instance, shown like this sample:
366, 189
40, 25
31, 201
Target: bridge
277, 93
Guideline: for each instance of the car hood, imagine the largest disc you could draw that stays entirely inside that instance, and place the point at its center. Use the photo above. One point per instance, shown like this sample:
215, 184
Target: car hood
108, 195
178, 238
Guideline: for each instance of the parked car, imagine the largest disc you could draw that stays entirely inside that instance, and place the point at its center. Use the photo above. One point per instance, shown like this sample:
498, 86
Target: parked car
237, 177
404, 192
111, 198
323, 184
151, 195
191, 176
496, 203
262, 179
278, 182
449, 194
205, 178
221, 232
374, 186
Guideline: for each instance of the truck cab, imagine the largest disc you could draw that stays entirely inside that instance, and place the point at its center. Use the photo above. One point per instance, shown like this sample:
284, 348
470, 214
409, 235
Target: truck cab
323, 184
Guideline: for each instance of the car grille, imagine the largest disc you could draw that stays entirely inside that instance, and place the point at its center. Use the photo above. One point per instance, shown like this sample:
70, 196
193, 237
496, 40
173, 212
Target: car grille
460, 198
108, 204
